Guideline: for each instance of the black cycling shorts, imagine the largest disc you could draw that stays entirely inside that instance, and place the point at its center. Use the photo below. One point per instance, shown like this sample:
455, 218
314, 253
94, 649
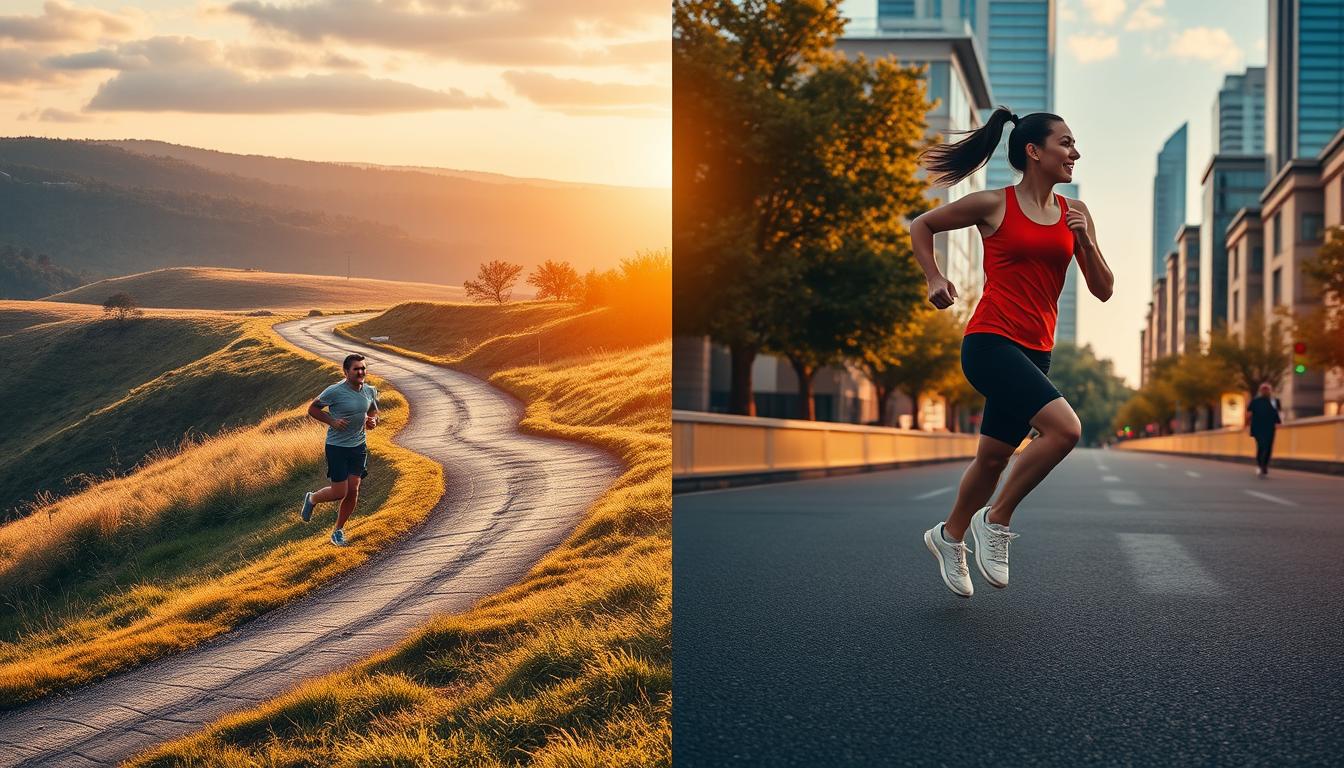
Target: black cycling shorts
342, 462
1012, 379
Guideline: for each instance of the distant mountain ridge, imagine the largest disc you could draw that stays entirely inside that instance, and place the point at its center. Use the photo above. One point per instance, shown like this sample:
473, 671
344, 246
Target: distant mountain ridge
112, 208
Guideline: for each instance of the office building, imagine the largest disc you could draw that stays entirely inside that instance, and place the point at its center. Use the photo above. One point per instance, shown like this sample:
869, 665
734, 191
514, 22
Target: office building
1168, 198
1229, 183
1239, 114
1304, 79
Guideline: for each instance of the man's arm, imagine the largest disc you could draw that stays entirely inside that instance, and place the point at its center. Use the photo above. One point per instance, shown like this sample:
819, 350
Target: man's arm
315, 411
371, 416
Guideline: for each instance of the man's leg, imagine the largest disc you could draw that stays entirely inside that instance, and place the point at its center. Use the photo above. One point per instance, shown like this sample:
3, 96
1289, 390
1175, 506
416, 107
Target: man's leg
1060, 432
978, 483
348, 503
333, 492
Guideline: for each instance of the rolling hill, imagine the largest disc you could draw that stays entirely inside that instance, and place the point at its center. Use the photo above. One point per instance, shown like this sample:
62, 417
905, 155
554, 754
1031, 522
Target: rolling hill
236, 289
112, 208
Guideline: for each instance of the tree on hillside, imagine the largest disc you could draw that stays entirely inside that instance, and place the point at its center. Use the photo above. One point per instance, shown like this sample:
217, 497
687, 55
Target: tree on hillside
785, 156
121, 305
923, 351
1091, 387
1323, 330
1261, 354
555, 280
494, 282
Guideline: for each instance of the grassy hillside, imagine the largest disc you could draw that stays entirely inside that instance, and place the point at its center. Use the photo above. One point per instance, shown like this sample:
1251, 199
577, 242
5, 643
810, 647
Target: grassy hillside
236, 289
203, 536
571, 667
99, 395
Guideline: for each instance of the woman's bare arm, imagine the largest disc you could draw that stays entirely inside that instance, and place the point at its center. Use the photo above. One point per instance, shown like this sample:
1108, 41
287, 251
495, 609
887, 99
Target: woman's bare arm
1097, 274
975, 208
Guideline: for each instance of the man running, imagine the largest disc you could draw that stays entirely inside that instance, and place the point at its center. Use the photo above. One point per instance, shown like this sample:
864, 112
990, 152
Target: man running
354, 409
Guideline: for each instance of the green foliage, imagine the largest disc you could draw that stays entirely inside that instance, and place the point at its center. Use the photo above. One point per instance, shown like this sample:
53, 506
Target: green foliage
25, 275
919, 354
792, 168
1091, 387
1261, 354
1323, 330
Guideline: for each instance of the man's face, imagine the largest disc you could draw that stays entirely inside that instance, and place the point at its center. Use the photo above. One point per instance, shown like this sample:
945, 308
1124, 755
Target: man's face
356, 372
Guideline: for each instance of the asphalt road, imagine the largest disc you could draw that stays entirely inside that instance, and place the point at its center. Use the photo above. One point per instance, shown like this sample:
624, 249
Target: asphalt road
509, 499
1163, 611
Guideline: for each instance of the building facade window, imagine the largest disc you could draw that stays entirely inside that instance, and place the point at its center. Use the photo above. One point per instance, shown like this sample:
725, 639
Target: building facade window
1277, 291
1236, 306
1311, 226
1276, 234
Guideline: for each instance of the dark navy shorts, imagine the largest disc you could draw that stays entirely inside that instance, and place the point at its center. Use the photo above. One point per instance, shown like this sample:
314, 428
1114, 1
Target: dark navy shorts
1012, 379
342, 462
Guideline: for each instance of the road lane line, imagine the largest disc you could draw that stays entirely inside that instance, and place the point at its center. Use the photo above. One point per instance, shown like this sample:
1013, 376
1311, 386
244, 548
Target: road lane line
1110, 479
1162, 566
1124, 498
1160, 465
931, 494
1275, 499
1192, 474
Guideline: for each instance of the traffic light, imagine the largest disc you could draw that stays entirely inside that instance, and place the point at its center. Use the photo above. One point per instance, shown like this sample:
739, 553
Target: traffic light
1299, 358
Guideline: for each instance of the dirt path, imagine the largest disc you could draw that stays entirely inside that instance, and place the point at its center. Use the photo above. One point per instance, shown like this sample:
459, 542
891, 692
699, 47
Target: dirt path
510, 498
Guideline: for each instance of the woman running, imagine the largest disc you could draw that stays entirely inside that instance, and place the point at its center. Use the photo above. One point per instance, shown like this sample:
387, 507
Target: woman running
1030, 235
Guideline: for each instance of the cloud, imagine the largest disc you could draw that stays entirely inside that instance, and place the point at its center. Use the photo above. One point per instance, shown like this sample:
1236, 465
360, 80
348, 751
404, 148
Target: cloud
1088, 48
1105, 12
1147, 16
524, 32
62, 23
22, 65
1066, 12
182, 74
51, 115
1211, 44
550, 91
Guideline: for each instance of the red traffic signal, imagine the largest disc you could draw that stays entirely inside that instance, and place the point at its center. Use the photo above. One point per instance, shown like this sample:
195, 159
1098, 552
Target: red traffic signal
1299, 348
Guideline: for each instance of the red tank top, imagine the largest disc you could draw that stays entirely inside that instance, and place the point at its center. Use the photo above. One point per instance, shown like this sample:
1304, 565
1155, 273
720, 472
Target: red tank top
1025, 264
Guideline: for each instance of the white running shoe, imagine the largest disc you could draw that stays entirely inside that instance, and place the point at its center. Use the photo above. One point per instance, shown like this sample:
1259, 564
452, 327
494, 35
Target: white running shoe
951, 561
991, 548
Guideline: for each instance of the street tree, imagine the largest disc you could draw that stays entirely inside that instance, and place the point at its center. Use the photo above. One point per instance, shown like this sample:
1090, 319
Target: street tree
923, 350
786, 156
1323, 330
494, 282
555, 280
1260, 354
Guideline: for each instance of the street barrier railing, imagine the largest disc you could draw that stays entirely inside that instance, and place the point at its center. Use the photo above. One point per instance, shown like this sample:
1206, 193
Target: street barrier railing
710, 447
1314, 441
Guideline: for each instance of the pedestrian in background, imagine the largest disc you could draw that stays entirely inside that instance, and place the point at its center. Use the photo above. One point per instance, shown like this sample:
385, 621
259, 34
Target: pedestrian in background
1262, 419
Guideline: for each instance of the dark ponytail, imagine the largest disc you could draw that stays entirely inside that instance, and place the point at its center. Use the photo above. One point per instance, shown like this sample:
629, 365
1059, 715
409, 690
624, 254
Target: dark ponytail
949, 163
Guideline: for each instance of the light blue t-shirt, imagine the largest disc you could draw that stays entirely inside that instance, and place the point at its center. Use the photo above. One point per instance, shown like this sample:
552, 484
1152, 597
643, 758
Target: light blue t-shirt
342, 402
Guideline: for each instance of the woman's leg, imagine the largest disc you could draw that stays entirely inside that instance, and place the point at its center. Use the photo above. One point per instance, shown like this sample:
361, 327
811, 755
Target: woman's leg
978, 483
1060, 432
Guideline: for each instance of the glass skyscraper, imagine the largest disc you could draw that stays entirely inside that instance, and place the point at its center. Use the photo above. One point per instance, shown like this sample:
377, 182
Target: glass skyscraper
1239, 114
1304, 79
1168, 199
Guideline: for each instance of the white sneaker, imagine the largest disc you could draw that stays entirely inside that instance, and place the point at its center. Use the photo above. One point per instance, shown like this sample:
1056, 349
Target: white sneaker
951, 561
991, 548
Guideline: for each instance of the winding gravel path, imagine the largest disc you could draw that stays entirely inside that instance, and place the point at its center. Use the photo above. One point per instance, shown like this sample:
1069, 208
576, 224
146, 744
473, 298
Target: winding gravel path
509, 499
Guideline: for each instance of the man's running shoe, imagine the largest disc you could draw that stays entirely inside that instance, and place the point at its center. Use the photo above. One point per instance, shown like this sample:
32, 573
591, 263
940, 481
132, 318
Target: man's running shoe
307, 512
951, 561
991, 548
338, 538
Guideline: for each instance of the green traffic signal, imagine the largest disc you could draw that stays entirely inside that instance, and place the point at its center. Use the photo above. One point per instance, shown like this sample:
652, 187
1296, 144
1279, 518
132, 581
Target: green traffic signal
1300, 368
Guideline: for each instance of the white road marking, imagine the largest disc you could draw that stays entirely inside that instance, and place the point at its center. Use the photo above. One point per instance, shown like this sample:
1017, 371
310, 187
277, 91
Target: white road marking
1161, 566
1192, 474
1103, 468
1160, 465
1124, 498
1275, 499
1110, 479
931, 494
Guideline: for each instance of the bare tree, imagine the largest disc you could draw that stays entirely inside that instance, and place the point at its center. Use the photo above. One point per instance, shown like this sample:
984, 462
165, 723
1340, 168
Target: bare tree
556, 280
494, 282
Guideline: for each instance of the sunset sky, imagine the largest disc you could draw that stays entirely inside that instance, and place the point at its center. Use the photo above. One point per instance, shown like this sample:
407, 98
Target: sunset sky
578, 90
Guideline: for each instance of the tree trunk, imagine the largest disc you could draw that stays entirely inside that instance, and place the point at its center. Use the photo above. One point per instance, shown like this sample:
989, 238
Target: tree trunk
914, 408
740, 400
807, 409
883, 397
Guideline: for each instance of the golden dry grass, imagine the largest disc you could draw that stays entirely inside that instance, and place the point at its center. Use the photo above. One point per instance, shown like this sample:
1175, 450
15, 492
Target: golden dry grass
191, 544
571, 667
239, 289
